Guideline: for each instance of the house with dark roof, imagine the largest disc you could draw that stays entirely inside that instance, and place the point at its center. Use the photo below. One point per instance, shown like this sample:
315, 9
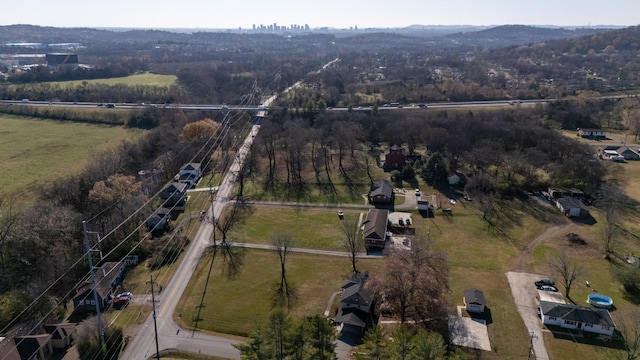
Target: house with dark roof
174, 193
159, 220
572, 207
628, 153
106, 277
474, 301
34, 347
375, 228
568, 316
355, 306
381, 192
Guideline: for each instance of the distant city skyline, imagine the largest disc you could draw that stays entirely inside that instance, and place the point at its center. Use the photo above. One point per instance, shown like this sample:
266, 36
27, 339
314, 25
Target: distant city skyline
205, 14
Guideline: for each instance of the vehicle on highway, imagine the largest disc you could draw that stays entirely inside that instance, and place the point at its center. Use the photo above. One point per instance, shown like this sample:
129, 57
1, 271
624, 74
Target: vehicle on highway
548, 288
542, 282
424, 106
111, 105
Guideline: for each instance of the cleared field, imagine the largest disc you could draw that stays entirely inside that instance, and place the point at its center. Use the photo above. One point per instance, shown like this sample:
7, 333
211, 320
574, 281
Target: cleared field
34, 152
148, 79
265, 222
235, 306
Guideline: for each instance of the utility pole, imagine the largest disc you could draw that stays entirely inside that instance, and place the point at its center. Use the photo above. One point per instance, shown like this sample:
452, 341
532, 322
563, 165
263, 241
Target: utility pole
93, 281
155, 324
531, 337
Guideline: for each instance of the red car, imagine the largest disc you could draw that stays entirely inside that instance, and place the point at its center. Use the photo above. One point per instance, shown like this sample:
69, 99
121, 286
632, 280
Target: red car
122, 299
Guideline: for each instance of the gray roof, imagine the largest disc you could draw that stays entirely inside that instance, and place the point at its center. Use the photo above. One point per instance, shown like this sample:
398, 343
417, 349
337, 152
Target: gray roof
576, 313
192, 166
351, 317
382, 187
375, 225
356, 294
474, 296
568, 202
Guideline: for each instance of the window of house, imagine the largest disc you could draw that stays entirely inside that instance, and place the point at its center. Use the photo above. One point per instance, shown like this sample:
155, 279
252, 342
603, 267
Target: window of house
588, 325
569, 322
552, 317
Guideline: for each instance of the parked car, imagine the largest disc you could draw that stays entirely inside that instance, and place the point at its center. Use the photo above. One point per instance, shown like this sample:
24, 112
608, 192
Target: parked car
542, 282
401, 222
121, 300
548, 288
408, 221
417, 192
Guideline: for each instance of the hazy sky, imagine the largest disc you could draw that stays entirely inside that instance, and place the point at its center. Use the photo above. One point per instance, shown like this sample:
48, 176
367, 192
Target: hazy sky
332, 13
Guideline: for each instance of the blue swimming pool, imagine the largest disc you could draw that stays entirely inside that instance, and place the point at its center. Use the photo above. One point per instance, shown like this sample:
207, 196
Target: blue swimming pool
599, 300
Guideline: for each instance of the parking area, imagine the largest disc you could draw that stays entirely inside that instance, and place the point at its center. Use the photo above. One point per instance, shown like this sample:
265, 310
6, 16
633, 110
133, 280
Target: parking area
400, 218
524, 293
469, 332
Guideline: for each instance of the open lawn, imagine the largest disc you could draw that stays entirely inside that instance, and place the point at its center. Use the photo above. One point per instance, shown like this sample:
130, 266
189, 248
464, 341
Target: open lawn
509, 337
265, 222
148, 79
235, 306
33, 152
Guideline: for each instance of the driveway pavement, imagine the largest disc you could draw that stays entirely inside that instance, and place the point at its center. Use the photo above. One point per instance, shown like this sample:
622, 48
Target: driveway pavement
524, 293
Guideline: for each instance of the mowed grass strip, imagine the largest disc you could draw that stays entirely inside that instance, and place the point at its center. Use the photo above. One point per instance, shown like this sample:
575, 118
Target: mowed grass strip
235, 306
148, 79
34, 152
309, 228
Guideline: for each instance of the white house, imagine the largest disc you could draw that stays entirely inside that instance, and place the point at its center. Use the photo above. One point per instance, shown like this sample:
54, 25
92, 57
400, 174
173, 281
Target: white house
567, 316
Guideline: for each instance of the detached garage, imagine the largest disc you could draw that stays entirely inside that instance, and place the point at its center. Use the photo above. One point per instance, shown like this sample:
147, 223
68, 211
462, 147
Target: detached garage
572, 207
474, 300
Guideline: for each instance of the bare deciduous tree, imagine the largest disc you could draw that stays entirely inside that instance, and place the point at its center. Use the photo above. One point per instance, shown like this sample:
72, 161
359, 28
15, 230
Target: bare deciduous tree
351, 241
568, 270
612, 200
628, 324
284, 293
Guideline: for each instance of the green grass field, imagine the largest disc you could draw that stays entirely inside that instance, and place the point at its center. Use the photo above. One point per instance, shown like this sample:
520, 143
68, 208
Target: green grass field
235, 306
148, 79
265, 222
34, 152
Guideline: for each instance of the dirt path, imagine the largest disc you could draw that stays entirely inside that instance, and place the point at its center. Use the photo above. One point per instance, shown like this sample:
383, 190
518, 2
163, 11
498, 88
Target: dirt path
524, 260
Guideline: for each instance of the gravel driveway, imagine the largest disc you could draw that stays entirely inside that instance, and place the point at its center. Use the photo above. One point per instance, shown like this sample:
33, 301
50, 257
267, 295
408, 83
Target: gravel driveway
524, 293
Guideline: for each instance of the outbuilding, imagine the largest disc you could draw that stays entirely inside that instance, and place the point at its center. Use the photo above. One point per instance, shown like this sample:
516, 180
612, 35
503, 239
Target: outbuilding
474, 301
